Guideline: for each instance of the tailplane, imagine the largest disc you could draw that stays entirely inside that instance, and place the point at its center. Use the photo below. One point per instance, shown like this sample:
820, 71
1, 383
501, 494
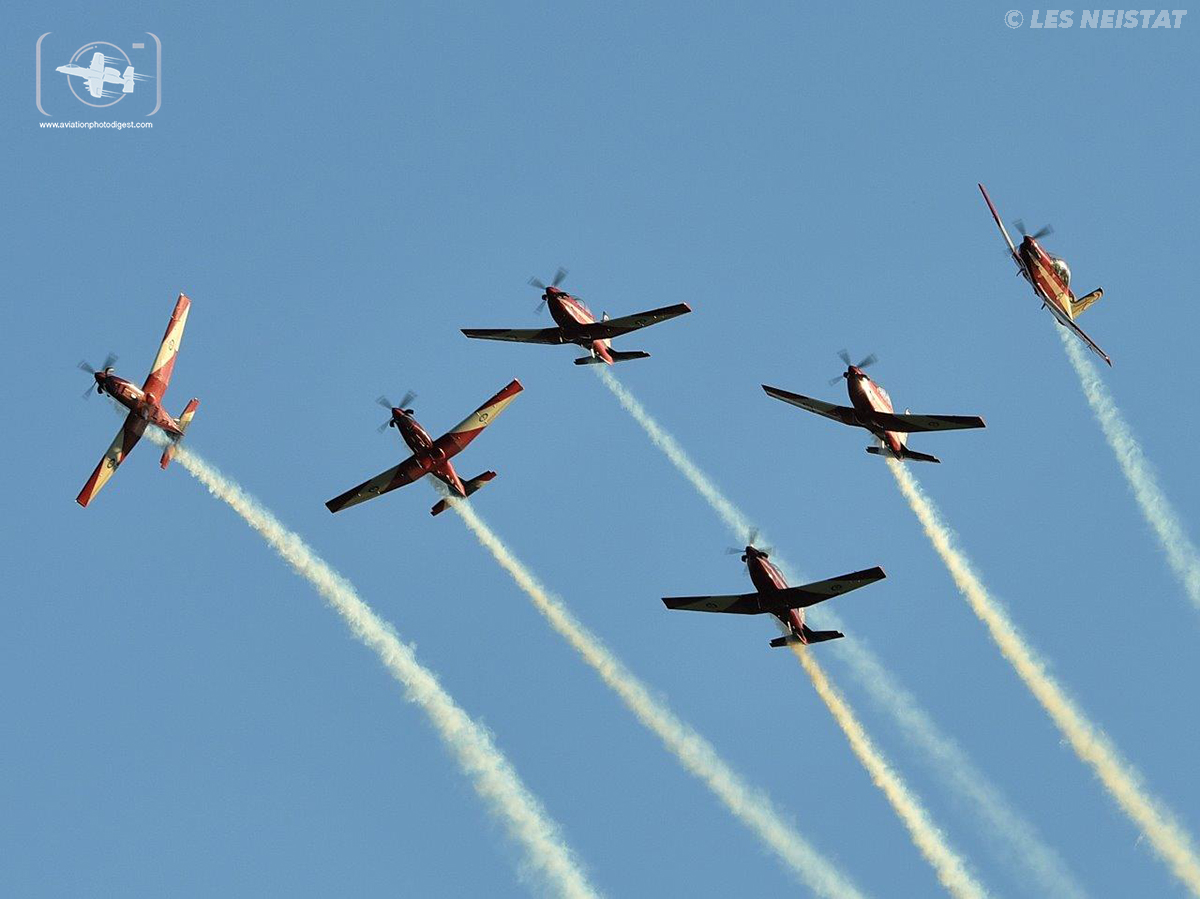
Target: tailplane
185, 419
617, 356
469, 486
810, 636
1082, 303
905, 453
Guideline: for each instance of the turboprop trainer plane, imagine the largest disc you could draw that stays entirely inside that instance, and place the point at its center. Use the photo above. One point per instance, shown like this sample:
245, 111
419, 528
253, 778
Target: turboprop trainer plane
429, 456
576, 324
872, 409
773, 596
1049, 276
144, 404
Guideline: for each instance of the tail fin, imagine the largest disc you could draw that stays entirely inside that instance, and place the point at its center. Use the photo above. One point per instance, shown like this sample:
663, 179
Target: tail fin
616, 357
470, 487
1082, 303
185, 419
128, 78
905, 453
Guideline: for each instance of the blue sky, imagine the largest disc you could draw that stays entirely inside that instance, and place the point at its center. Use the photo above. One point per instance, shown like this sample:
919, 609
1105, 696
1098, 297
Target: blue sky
340, 190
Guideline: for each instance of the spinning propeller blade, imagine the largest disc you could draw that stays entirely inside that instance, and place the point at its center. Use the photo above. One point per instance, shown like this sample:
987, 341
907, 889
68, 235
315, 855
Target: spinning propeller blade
1044, 231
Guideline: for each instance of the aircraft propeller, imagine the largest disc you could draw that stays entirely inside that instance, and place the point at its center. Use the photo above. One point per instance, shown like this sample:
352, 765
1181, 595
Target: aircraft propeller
408, 397
750, 540
845, 357
1044, 231
536, 282
109, 360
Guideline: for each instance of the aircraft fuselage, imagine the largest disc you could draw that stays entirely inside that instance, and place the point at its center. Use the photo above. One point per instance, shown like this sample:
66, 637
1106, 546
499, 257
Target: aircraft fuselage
133, 398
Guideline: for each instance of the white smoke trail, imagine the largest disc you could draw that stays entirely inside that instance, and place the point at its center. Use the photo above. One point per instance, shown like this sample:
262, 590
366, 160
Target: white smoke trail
493, 776
1172, 843
951, 871
1025, 847
696, 754
1156, 508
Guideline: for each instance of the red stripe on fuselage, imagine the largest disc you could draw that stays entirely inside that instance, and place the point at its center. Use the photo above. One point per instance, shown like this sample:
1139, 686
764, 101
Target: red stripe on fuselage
866, 396
768, 579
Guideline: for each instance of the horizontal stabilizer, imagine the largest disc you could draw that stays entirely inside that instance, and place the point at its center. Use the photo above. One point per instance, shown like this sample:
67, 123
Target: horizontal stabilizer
810, 636
470, 487
185, 419
1082, 303
905, 453
616, 357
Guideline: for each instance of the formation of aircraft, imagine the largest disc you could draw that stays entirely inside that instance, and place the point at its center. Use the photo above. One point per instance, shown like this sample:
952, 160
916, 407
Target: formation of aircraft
575, 323
144, 404
1049, 276
773, 596
871, 408
430, 456
98, 73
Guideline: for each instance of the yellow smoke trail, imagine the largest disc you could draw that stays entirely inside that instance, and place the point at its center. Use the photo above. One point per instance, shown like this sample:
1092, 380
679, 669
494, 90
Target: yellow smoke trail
1026, 848
696, 754
493, 776
951, 871
1156, 508
1172, 843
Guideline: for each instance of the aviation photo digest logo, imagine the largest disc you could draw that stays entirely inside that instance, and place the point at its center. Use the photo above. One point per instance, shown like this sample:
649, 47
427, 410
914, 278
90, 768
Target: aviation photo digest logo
98, 80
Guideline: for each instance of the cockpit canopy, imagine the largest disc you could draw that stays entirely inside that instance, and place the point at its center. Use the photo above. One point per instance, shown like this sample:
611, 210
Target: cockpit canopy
1062, 269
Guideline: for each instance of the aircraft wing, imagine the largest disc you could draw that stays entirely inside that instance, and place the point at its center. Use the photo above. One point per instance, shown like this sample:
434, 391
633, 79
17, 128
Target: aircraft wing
736, 603
456, 440
844, 414
517, 335
909, 423
1011, 246
778, 601
98, 62
811, 594
405, 473
615, 327
164, 362
131, 431
95, 86
1067, 322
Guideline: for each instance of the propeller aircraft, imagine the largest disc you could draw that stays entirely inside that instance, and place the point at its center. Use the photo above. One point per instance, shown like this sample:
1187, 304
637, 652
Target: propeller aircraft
575, 323
144, 404
1049, 276
429, 456
871, 408
773, 596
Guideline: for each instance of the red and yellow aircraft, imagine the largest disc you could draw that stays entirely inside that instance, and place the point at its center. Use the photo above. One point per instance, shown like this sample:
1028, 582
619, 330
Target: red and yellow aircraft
430, 456
773, 596
576, 324
1049, 276
144, 404
872, 409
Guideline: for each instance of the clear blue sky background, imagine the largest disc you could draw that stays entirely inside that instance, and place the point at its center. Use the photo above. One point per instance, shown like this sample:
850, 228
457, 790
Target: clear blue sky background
340, 188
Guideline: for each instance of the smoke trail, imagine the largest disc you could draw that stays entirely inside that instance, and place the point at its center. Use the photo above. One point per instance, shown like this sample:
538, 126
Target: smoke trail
1156, 508
1172, 843
493, 776
696, 754
1025, 846
951, 871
